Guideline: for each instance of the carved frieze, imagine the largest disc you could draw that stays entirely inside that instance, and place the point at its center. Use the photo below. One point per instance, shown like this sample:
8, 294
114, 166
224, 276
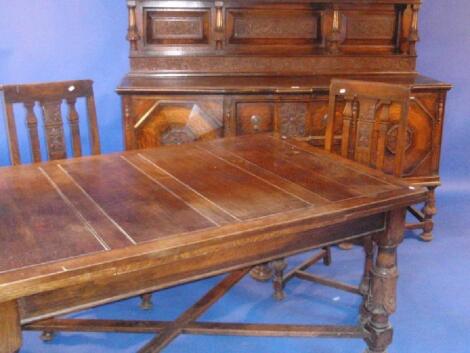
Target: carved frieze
272, 65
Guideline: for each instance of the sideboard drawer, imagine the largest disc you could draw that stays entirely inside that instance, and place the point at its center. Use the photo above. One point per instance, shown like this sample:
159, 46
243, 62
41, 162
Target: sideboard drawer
254, 117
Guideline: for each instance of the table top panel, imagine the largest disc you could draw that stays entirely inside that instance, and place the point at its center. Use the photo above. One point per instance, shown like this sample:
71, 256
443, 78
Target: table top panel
60, 210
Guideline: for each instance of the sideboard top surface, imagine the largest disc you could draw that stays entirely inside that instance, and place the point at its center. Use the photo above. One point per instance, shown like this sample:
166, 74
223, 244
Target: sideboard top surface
262, 85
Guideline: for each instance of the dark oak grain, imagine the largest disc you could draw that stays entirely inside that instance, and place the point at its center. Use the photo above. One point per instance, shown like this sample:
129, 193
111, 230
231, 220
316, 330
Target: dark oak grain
107, 191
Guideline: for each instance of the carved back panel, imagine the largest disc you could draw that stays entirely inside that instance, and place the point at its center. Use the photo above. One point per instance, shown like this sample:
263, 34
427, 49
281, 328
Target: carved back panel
275, 37
50, 97
367, 127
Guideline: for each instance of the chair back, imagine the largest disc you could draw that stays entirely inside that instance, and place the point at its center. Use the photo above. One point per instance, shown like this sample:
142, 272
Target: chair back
370, 133
50, 97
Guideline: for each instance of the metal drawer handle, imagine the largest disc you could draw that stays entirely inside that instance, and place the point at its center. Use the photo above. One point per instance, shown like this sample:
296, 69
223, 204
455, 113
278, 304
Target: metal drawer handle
255, 122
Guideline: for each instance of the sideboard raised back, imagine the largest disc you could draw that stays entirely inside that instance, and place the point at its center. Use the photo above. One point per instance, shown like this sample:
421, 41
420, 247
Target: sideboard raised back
206, 69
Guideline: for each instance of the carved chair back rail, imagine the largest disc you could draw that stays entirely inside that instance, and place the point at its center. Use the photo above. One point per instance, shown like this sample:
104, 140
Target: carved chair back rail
366, 120
50, 97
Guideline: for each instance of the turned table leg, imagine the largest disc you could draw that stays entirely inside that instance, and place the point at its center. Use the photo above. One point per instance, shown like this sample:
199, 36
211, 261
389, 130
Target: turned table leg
381, 299
429, 211
10, 329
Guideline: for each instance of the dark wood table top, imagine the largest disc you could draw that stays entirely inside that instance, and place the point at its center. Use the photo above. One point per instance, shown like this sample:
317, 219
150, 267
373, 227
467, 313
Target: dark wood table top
67, 215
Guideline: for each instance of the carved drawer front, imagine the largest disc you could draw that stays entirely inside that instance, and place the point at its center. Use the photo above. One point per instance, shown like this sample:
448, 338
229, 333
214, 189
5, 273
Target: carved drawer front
266, 28
254, 117
175, 120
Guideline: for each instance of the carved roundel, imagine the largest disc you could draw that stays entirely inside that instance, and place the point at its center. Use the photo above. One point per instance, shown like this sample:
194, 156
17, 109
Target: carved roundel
392, 138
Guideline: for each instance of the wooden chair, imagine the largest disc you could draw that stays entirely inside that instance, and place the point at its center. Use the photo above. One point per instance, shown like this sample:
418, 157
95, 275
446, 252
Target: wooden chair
50, 97
361, 114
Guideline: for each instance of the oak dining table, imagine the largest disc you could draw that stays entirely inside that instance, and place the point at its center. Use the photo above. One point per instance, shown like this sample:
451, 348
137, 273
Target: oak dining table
87, 231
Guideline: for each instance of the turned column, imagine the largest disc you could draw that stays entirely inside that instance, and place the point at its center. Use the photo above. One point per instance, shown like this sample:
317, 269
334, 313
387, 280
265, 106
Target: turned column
429, 211
10, 329
381, 299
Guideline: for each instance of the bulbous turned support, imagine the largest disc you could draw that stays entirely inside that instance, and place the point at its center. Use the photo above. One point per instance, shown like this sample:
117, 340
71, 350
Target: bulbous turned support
429, 211
278, 280
380, 301
262, 273
146, 301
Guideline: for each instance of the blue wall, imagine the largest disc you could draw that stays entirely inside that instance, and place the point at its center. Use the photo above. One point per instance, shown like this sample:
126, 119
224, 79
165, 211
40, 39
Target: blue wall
44, 40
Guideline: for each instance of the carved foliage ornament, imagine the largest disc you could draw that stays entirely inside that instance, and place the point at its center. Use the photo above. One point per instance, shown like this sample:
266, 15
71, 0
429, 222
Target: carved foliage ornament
293, 119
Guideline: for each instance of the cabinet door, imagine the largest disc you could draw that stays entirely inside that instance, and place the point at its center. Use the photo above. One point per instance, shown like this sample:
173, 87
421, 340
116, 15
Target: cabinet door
161, 120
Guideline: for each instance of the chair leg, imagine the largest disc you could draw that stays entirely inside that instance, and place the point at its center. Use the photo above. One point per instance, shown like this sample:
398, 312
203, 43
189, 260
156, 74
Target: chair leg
278, 280
47, 335
327, 258
429, 211
146, 301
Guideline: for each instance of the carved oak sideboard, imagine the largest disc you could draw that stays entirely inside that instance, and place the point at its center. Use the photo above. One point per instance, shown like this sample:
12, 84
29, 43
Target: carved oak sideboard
207, 69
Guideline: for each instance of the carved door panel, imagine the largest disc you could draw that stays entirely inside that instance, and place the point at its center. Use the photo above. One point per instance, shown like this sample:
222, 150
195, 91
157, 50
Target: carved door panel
167, 120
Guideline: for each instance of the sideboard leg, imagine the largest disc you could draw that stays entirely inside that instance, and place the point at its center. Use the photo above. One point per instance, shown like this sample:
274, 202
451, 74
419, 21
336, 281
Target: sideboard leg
10, 329
146, 301
278, 280
429, 212
381, 298
262, 272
